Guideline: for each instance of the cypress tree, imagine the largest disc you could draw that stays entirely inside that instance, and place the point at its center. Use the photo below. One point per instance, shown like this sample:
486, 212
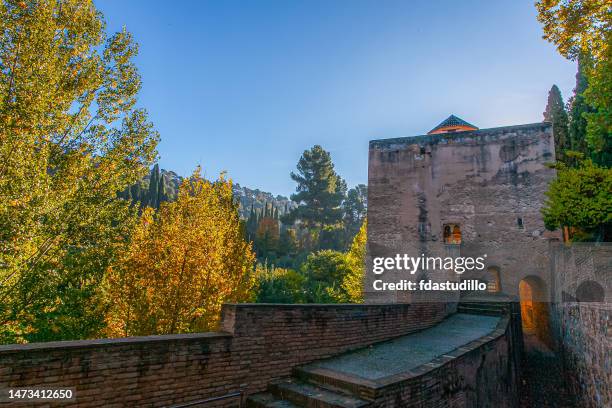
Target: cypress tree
153, 187
161, 191
252, 222
555, 113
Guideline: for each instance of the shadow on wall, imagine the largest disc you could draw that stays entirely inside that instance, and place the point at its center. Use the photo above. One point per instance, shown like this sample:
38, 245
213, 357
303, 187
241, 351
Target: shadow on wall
590, 292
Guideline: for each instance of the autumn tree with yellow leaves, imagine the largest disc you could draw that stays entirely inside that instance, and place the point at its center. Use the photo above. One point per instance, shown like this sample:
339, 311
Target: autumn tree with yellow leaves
70, 139
183, 263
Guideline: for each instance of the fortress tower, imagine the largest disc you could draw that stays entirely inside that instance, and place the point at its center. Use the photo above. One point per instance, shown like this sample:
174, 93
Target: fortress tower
461, 191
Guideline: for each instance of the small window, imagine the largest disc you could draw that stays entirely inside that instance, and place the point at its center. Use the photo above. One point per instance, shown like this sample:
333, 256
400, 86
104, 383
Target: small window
452, 234
494, 280
519, 222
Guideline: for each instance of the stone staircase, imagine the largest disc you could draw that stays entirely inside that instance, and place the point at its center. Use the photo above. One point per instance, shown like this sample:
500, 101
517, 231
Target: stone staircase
309, 388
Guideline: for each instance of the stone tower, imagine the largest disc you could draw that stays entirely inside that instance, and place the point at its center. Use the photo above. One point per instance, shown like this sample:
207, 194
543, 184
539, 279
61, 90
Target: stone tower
461, 191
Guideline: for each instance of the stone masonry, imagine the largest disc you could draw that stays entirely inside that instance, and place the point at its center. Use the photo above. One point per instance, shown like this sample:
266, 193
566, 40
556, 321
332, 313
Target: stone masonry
489, 182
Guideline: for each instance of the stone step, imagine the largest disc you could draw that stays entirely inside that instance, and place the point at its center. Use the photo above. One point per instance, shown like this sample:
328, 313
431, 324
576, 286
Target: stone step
267, 400
486, 304
335, 381
480, 310
308, 395
503, 305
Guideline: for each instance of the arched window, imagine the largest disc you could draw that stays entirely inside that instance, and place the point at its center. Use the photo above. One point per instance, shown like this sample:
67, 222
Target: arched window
452, 234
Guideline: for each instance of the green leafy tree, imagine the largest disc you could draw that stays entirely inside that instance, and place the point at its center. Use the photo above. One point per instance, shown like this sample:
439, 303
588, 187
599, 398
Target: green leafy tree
580, 199
555, 113
578, 107
353, 281
70, 140
287, 245
583, 29
325, 271
332, 237
278, 285
599, 121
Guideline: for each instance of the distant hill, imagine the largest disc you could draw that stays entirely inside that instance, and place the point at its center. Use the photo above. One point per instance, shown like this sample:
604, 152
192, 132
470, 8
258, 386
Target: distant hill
167, 182
258, 199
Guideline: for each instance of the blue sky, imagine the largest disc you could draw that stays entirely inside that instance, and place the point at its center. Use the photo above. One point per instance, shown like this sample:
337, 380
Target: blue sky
247, 86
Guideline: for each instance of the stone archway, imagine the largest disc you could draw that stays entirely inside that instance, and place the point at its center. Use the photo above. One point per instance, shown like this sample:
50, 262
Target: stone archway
535, 314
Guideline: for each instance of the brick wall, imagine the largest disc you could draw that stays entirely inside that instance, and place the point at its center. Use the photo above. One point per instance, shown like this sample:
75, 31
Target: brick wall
257, 344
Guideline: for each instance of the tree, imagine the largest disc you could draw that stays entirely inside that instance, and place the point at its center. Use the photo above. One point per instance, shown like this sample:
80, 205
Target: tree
70, 140
162, 193
599, 96
355, 208
582, 29
277, 285
287, 244
183, 263
325, 271
353, 281
576, 26
320, 190
555, 114
578, 107
267, 237
580, 199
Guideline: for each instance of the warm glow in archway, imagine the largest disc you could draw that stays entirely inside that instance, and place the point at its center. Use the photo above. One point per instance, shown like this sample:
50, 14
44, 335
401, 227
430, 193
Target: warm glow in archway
535, 308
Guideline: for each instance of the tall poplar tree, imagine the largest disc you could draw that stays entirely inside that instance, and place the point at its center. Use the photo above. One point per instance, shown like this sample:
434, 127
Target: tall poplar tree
70, 140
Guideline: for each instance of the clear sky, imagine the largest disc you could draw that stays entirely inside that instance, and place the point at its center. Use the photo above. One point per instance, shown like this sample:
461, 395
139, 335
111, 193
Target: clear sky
246, 86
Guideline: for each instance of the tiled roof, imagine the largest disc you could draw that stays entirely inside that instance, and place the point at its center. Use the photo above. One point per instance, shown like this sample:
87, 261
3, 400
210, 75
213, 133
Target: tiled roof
452, 120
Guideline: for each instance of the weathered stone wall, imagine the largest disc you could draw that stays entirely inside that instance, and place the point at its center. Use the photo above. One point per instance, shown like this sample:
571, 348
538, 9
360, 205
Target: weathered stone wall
582, 330
482, 180
258, 343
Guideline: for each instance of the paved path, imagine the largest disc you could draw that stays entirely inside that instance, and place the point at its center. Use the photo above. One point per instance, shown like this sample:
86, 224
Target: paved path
402, 354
